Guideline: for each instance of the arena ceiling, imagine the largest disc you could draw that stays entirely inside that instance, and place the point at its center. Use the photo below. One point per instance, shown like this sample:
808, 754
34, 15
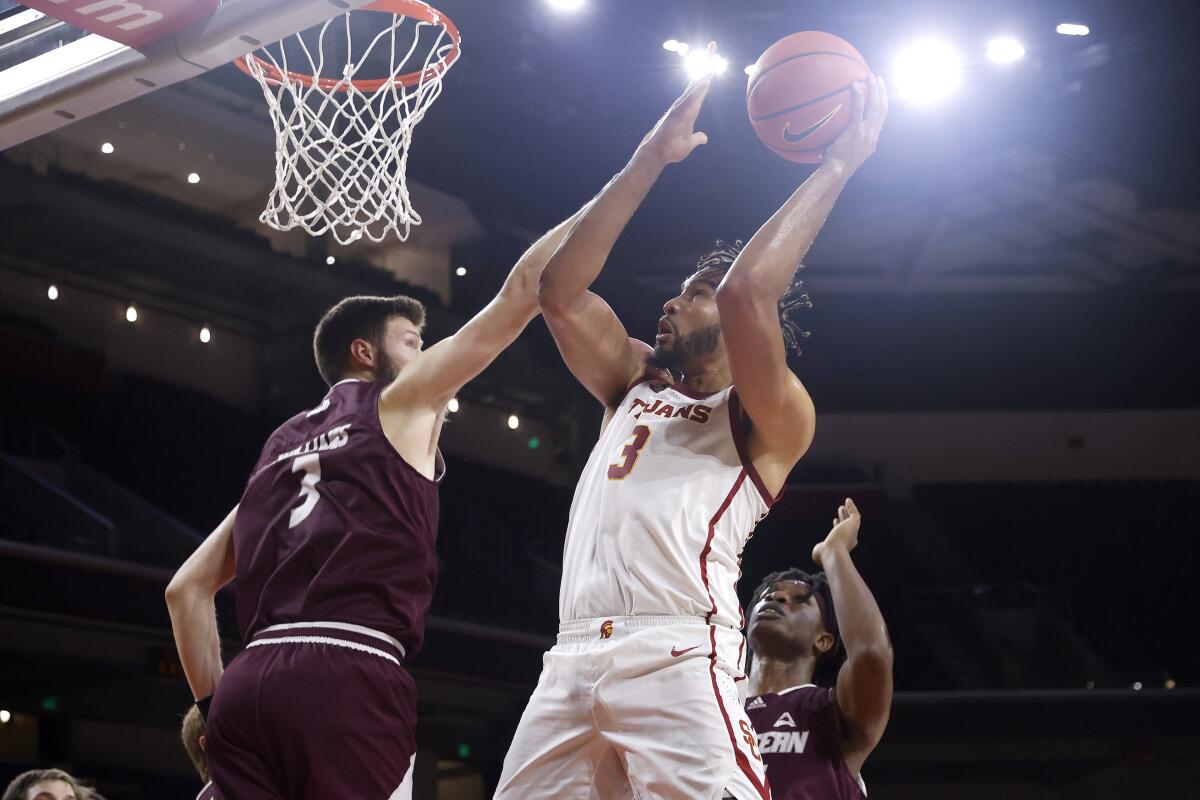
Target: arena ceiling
1071, 170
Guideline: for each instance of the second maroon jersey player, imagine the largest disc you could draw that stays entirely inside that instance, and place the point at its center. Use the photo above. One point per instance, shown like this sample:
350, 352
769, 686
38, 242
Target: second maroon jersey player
814, 739
800, 740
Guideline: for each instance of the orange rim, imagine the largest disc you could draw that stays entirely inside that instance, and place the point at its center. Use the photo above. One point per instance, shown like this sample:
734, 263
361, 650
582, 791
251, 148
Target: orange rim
413, 9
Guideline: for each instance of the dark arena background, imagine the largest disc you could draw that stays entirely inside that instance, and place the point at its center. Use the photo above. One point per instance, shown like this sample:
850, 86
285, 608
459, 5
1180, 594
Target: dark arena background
1002, 356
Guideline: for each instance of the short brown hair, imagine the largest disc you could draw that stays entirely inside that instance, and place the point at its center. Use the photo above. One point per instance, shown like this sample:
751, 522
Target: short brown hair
191, 731
21, 784
359, 317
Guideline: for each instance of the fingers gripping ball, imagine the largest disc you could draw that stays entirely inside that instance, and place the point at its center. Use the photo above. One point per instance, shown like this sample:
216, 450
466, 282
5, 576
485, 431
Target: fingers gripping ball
799, 96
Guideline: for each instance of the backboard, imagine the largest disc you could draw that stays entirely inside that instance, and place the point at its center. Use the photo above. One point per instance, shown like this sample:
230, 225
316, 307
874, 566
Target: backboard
52, 72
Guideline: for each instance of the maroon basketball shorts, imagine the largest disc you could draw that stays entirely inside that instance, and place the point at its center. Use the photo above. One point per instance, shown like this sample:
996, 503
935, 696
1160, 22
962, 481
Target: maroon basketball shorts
314, 711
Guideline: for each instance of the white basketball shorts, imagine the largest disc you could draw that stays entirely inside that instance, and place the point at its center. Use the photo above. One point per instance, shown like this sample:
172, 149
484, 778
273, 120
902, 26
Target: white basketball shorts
642, 707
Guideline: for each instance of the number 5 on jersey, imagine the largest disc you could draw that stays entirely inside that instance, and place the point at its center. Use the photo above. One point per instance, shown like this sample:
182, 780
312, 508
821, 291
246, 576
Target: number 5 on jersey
630, 453
310, 465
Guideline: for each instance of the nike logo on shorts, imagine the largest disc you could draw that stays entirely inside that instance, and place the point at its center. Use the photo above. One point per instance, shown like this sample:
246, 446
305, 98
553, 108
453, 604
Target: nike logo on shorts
677, 653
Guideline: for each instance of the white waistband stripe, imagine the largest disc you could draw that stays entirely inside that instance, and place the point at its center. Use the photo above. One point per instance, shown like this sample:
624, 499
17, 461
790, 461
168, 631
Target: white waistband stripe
339, 626
362, 648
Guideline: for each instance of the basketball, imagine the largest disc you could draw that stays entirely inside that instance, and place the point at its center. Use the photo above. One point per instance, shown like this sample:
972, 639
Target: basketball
390, 258
799, 95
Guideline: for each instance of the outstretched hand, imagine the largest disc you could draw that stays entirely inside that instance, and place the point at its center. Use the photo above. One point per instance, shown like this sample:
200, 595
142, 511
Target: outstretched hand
674, 137
844, 534
867, 114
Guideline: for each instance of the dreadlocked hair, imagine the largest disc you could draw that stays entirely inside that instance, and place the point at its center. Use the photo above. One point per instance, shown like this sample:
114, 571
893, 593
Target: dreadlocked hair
825, 670
795, 299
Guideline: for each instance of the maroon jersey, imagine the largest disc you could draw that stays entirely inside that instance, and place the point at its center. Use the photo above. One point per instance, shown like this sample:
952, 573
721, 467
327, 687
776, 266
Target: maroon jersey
799, 742
335, 527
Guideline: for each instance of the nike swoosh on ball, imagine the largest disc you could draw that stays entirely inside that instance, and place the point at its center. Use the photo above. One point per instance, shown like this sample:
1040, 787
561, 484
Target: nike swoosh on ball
793, 138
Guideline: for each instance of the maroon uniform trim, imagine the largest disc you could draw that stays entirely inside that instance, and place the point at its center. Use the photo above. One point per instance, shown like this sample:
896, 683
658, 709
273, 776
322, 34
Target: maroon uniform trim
739, 441
764, 788
645, 377
741, 610
687, 391
712, 531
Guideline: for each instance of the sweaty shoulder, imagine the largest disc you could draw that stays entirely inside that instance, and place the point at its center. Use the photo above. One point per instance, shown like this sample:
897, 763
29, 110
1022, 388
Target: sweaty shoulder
645, 370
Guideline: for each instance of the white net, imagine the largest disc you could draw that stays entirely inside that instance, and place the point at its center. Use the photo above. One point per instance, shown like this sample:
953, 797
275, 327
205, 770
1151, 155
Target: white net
342, 142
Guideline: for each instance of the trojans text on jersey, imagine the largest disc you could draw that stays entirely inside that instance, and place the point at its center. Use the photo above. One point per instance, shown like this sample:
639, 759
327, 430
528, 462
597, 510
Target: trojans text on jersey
695, 412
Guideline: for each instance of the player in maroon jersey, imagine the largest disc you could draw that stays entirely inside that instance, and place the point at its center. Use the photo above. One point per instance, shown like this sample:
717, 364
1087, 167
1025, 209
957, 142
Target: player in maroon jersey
332, 545
815, 739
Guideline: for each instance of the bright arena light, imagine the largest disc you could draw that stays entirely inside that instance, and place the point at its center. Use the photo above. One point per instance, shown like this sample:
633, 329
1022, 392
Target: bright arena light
193, 177
565, 5
700, 64
1073, 29
452, 406
131, 313
52, 292
5, 716
107, 148
330, 260
1005, 50
928, 71
671, 46
461, 271
205, 335
513, 422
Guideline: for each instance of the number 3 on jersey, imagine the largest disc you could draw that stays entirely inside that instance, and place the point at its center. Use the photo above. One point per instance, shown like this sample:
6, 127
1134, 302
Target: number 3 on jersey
629, 455
310, 465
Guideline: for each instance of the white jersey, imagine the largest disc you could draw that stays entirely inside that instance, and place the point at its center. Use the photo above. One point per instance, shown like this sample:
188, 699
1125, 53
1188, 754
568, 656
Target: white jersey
662, 511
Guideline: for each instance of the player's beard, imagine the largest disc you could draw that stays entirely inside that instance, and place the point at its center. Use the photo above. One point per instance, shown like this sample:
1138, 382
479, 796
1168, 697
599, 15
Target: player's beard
386, 370
685, 348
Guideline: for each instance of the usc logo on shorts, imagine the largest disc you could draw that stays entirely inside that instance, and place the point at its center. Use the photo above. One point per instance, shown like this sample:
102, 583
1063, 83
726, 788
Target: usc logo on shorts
606, 629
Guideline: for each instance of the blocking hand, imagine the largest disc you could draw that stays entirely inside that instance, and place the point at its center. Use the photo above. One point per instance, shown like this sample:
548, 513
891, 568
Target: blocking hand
844, 534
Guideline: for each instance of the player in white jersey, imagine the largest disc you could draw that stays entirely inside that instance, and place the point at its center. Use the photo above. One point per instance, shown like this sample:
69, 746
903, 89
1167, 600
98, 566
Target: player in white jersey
639, 696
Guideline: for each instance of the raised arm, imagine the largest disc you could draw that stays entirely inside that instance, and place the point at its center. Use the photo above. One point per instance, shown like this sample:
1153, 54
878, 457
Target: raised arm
593, 342
748, 297
191, 596
864, 684
439, 372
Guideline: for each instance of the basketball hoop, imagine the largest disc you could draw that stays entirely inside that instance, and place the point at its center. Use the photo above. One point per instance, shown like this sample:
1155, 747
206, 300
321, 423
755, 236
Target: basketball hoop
342, 142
